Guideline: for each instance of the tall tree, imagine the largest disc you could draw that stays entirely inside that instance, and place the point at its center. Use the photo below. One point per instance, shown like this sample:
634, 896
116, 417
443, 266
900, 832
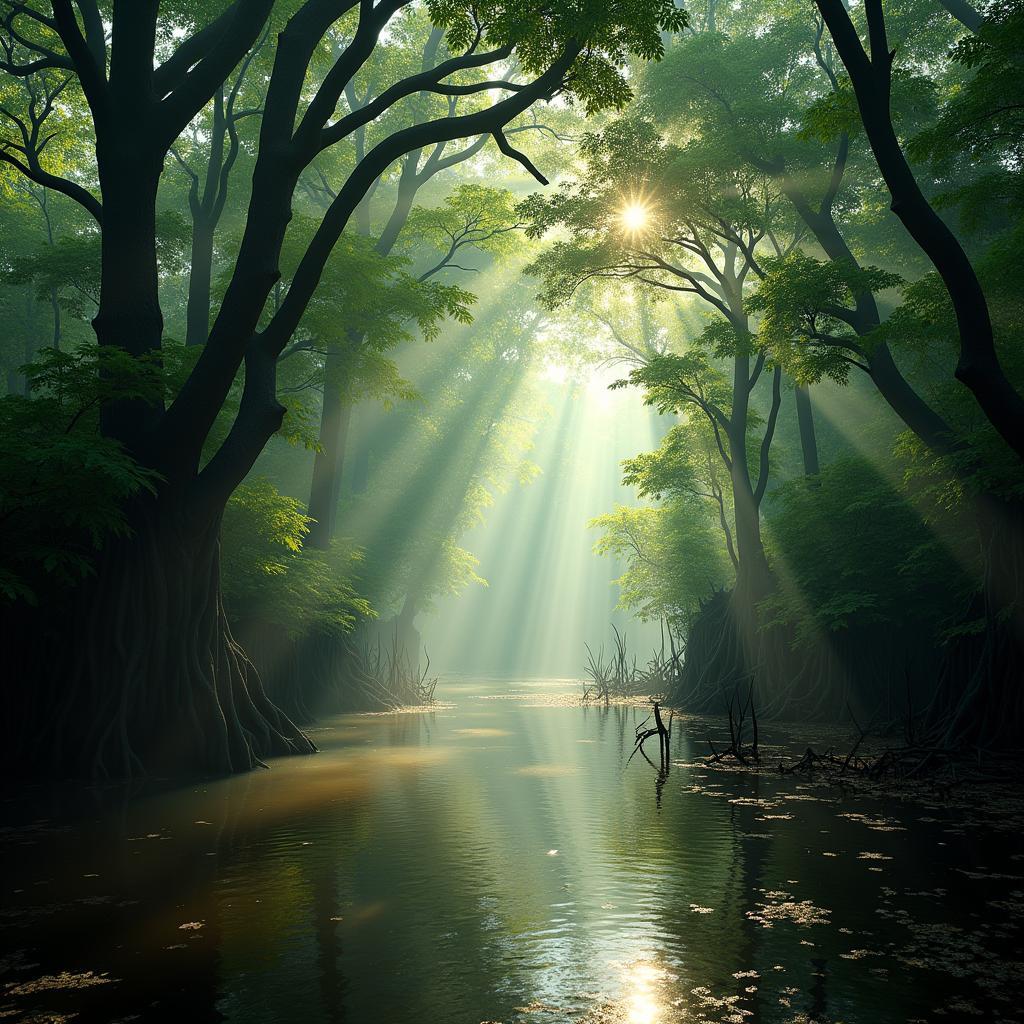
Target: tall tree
674, 219
978, 366
151, 676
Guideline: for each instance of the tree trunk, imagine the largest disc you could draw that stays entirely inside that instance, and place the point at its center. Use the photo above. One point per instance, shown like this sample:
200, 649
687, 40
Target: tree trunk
328, 464
981, 668
752, 571
361, 466
197, 314
979, 702
336, 414
752, 574
911, 408
30, 354
964, 13
805, 419
151, 681
409, 639
29, 347
129, 315
55, 310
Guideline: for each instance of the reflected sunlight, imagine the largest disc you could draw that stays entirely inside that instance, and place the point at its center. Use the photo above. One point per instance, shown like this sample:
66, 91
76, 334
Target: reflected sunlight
642, 1003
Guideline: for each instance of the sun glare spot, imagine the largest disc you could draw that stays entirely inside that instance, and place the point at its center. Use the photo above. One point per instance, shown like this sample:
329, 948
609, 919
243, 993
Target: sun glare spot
635, 216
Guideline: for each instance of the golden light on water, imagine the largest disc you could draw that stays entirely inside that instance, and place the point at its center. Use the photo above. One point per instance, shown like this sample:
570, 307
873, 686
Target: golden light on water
643, 1009
642, 1003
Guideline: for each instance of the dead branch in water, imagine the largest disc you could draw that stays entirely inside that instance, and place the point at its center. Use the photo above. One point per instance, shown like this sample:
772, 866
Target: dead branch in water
737, 718
664, 734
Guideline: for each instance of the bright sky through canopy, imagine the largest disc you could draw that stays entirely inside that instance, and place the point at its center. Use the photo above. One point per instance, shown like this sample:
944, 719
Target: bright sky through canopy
635, 216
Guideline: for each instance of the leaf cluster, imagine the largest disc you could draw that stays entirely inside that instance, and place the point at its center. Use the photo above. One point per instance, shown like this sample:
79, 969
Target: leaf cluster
269, 577
64, 490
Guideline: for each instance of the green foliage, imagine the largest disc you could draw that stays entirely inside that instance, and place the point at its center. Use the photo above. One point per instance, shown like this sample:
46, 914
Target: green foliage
673, 560
831, 115
974, 143
268, 577
835, 113
735, 120
80, 382
385, 306
722, 339
676, 551
672, 382
472, 217
700, 211
608, 32
682, 464
70, 267
801, 301
64, 490
854, 550
749, 90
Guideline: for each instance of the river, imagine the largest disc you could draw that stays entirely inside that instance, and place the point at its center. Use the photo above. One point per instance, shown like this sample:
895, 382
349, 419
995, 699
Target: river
495, 859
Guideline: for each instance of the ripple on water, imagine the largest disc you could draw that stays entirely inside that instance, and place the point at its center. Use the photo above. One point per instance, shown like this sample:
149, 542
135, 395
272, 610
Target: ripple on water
497, 860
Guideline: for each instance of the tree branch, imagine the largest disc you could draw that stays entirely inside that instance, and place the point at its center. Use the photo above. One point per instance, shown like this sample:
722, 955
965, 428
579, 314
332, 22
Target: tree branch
91, 75
514, 154
188, 420
68, 188
769, 434
758, 367
95, 34
32, 145
236, 32
447, 89
352, 58
420, 82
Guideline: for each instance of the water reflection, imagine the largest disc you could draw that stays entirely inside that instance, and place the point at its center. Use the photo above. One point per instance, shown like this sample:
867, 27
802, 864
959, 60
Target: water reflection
427, 867
641, 1000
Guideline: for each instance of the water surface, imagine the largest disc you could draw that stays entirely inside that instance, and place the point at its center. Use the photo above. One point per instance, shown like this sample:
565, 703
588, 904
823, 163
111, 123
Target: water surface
494, 859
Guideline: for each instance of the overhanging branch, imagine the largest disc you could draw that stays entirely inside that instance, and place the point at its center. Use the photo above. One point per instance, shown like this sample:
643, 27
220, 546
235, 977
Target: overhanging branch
514, 154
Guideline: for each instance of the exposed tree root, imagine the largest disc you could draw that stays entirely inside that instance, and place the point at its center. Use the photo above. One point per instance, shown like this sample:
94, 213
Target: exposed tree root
385, 678
139, 674
868, 669
910, 763
327, 674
